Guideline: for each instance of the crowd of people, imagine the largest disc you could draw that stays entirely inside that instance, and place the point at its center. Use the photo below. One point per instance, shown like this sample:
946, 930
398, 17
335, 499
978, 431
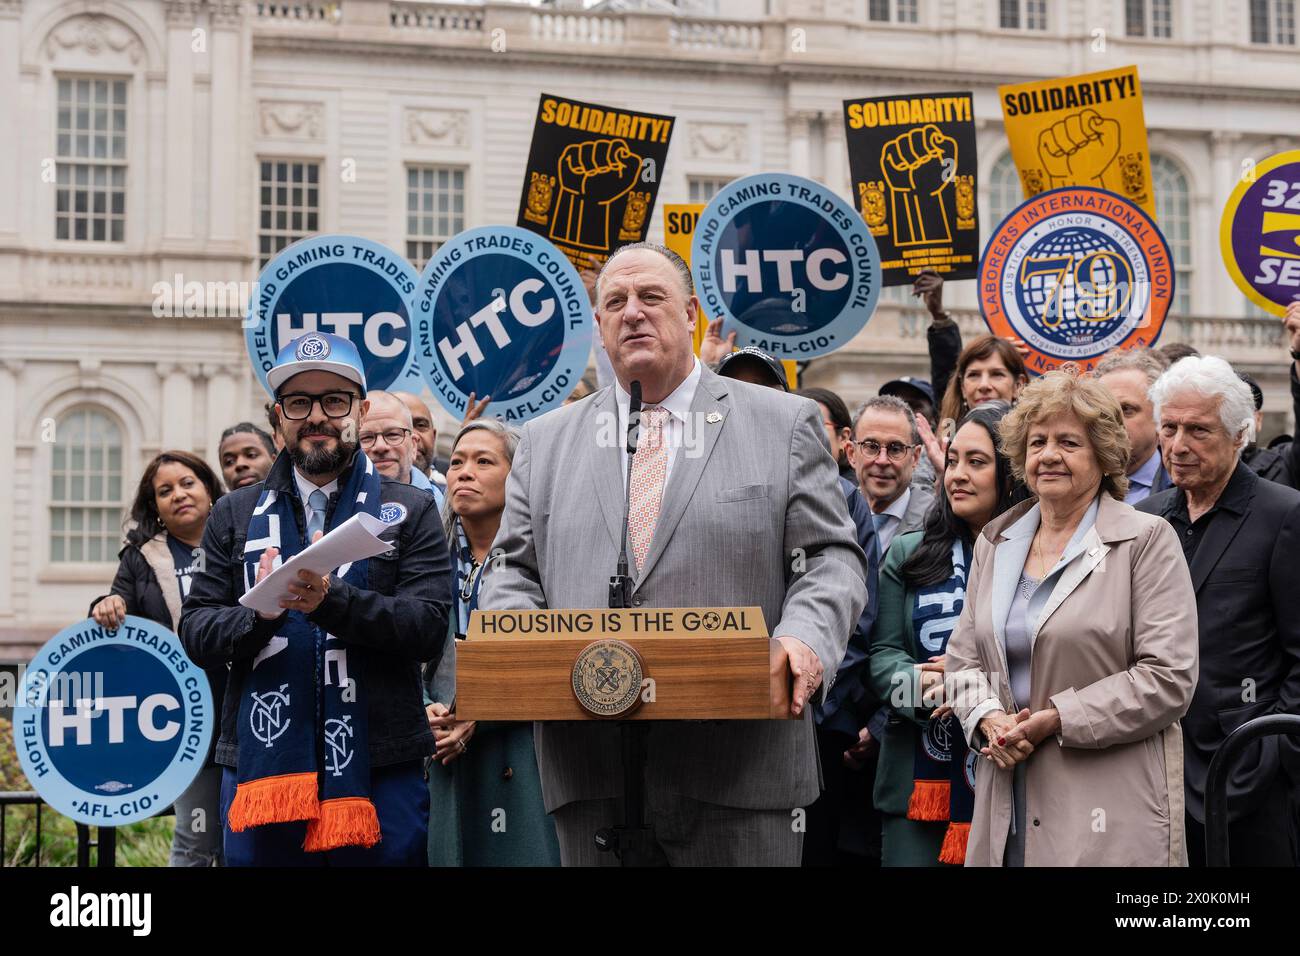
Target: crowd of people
1025, 614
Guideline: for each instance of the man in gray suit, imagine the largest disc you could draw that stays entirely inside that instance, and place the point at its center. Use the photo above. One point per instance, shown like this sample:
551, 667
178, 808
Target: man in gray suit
734, 501
884, 452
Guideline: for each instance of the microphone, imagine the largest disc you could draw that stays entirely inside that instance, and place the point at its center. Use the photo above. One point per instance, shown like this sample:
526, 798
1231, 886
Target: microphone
620, 583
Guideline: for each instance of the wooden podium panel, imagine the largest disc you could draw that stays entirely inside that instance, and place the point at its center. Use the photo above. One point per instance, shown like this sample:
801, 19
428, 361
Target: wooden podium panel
691, 670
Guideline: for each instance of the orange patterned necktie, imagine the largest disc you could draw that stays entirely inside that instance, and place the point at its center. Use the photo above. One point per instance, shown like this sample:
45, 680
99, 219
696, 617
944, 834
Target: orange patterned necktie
649, 467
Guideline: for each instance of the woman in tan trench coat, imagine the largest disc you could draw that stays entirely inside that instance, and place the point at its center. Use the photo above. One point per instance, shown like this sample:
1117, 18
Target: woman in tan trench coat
1076, 652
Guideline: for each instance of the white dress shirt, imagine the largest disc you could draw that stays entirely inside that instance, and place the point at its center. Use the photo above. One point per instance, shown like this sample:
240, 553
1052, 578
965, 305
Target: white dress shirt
888, 521
305, 488
678, 405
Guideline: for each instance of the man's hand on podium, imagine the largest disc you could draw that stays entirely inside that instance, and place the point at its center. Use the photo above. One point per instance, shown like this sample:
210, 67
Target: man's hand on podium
796, 674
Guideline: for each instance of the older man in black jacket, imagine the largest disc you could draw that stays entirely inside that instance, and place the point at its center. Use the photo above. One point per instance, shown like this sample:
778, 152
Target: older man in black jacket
339, 635
1241, 538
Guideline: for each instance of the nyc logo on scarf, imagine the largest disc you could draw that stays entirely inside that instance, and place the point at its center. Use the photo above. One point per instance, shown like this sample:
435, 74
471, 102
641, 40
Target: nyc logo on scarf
303, 751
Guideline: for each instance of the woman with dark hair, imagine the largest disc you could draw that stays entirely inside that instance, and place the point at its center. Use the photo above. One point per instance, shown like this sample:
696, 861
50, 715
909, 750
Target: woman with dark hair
988, 369
171, 508
921, 787
246, 454
484, 810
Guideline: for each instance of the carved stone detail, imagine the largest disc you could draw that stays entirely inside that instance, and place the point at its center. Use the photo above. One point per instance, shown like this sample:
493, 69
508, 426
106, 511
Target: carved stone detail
728, 141
94, 33
294, 119
437, 126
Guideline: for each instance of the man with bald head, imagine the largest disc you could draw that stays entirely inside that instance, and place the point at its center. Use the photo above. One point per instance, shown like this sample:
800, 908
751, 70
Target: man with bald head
388, 437
734, 501
424, 431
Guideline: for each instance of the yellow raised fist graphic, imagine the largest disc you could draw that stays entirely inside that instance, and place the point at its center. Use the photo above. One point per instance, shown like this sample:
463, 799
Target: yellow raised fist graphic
919, 166
1078, 150
592, 175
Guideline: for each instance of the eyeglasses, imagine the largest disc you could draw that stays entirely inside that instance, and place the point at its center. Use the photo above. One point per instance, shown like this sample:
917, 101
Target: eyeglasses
896, 450
392, 437
297, 405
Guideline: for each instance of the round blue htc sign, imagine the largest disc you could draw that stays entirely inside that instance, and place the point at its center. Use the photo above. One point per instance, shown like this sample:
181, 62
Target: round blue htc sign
342, 284
500, 311
787, 264
112, 726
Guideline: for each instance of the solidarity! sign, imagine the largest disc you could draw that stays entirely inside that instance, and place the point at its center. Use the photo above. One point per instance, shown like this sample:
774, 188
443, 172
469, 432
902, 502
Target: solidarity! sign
1081, 131
1260, 233
113, 726
787, 263
500, 311
592, 176
913, 163
342, 284
1074, 273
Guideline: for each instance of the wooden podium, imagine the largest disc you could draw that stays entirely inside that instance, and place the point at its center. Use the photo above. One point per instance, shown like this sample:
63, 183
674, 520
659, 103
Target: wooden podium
628, 664
694, 664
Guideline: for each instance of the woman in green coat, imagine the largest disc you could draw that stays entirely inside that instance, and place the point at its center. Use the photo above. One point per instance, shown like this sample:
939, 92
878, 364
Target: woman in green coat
485, 808
924, 783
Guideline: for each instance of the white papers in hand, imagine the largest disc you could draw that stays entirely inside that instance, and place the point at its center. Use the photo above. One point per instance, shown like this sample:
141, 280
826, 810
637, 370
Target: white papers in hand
354, 540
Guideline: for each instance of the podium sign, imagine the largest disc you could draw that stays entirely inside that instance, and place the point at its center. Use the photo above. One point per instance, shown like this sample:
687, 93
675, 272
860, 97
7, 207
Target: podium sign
629, 663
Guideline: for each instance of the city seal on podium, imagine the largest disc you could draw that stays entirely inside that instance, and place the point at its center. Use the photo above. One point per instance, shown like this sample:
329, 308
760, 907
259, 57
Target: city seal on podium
607, 678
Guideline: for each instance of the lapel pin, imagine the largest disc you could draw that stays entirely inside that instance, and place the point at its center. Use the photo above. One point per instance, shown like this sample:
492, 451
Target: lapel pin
713, 418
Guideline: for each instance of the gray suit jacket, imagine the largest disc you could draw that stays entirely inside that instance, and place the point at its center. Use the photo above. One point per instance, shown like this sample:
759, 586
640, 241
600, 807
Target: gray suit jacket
918, 506
755, 499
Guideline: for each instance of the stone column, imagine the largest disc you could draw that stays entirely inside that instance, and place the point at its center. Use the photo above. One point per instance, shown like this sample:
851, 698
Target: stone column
226, 157
797, 126
10, 102
176, 407
178, 131
1223, 297
223, 409
835, 158
10, 370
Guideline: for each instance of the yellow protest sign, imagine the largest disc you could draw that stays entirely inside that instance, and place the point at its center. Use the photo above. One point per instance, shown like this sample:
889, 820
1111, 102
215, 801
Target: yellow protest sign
1081, 131
679, 231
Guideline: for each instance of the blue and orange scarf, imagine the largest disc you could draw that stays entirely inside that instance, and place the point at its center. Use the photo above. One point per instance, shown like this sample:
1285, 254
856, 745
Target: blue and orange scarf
941, 787
303, 747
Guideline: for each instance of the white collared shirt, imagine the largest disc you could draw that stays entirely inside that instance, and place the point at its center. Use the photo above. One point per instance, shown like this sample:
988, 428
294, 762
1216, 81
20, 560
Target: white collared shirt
305, 488
885, 530
678, 405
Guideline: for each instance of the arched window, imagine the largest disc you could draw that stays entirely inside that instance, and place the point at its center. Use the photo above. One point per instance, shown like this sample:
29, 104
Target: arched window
1173, 214
86, 503
1004, 191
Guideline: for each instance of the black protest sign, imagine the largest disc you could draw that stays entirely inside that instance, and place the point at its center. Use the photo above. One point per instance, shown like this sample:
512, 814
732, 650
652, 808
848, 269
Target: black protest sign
592, 177
913, 164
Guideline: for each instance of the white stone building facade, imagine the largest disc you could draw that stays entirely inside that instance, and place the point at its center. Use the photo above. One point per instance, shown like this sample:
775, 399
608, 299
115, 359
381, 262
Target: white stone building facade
141, 140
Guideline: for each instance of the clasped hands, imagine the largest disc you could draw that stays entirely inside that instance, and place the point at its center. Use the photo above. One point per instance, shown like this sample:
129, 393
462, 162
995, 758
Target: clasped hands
1012, 738
308, 591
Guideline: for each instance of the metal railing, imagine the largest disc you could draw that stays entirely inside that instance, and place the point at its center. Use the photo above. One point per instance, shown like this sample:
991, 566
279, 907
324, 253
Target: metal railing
104, 839
1216, 781
19, 798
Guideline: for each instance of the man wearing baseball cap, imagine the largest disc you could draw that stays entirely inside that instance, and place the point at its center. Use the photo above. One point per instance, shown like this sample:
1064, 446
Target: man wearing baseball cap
323, 734
755, 366
916, 392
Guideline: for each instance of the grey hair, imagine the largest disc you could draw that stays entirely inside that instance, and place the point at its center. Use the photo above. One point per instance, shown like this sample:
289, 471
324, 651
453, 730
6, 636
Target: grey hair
676, 261
1210, 377
1138, 360
509, 436
889, 403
